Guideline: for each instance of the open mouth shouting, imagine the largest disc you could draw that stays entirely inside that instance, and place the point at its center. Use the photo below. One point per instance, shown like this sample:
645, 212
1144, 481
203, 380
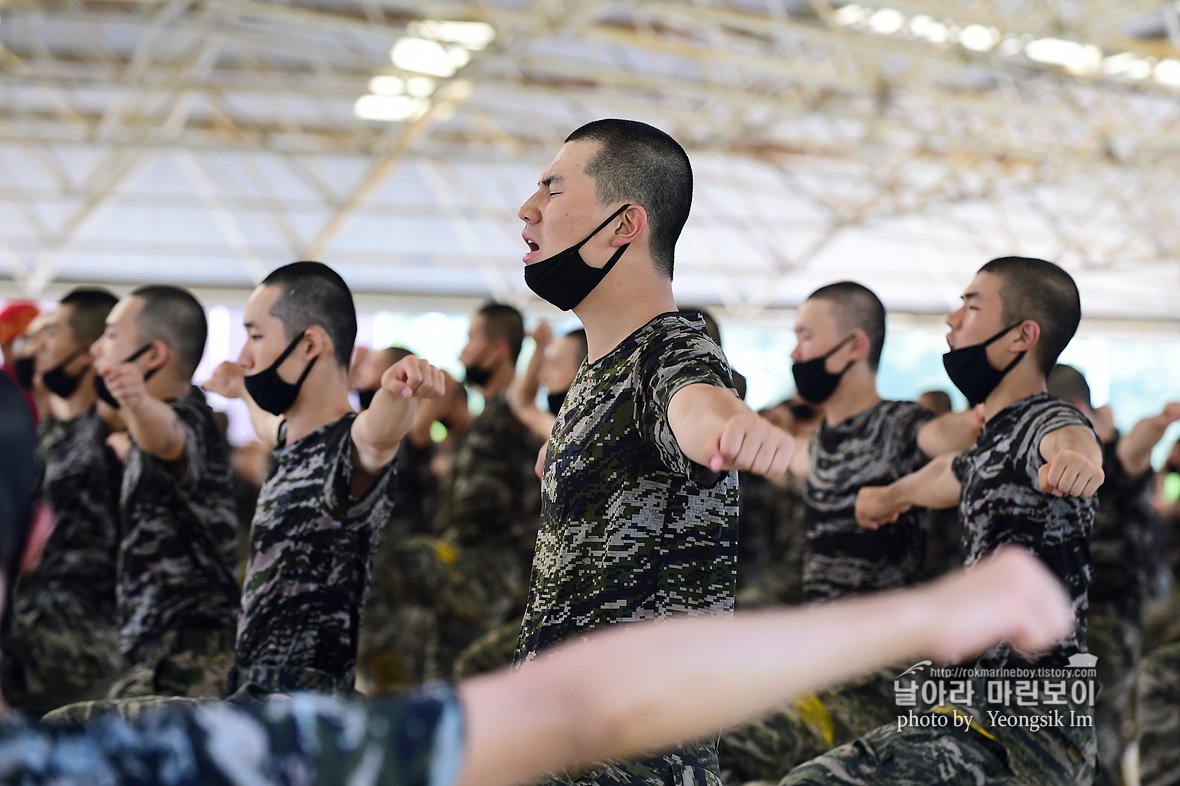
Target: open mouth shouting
534, 248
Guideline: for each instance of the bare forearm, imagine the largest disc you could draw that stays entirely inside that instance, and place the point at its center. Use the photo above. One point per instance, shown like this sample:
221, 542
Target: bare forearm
640, 688
950, 433
933, 486
1134, 450
155, 428
266, 425
379, 430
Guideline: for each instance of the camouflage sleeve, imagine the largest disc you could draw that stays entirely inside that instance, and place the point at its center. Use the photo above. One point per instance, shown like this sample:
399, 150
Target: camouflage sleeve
338, 499
685, 357
960, 465
1056, 415
911, 418
196, 441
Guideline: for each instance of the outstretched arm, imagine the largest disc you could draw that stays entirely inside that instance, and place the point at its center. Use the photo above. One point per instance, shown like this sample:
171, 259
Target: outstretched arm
152, 423
953, 432
714, 428
378, 431
1134, 449
522, 391
636, 688
933, 486
800, 465
229, 381
1073, 462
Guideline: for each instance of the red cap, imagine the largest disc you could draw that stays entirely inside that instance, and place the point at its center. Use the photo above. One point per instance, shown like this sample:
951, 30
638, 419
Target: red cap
15, 319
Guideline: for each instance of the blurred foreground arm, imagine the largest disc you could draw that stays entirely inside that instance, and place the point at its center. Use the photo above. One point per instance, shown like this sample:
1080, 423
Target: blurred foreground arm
637, 688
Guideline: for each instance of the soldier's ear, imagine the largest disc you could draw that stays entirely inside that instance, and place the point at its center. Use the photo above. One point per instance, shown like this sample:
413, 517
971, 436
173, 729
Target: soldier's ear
317, 339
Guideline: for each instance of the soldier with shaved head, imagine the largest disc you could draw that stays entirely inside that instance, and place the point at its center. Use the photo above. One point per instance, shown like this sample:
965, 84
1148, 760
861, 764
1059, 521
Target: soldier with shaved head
63, 645
639, 495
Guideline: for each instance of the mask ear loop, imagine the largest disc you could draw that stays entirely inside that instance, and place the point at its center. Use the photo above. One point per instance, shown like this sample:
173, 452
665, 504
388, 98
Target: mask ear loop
997, 336
832, 351
137, 354
306, 371
287, 352
614, 257
603, 226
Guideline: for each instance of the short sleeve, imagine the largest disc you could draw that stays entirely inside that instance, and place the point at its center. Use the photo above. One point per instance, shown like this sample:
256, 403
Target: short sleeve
338, 498
196, 442
960, 465
196, 426
910, 419
680, 357
1054, 416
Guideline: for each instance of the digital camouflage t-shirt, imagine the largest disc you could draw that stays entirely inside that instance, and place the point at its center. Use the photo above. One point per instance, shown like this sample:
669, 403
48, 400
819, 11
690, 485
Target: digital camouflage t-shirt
311, 554
178, 561
631, 529
307, 739
872, 448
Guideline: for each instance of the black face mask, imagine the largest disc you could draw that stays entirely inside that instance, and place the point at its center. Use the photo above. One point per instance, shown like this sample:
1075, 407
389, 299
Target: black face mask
474, 376
813, 381
556, 400
366, 396
23, 370
100, 384
565, 279
270, 391
972, 373
58, 382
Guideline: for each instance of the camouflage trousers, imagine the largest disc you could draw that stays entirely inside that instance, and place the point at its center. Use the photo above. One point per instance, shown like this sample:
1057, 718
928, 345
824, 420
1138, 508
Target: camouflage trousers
1157, 715
429, 600
186, 663
957, 755
1115, 640
686, 765
57, 653
770, 746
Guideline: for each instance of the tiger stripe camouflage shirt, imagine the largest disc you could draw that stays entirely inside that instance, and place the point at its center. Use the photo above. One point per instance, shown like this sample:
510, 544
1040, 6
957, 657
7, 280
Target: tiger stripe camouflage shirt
178, 559
872, 448
1001, 502
311, 554
81, 478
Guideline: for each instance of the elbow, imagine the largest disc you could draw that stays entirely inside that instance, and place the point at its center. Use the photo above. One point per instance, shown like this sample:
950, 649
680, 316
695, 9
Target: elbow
173, 450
